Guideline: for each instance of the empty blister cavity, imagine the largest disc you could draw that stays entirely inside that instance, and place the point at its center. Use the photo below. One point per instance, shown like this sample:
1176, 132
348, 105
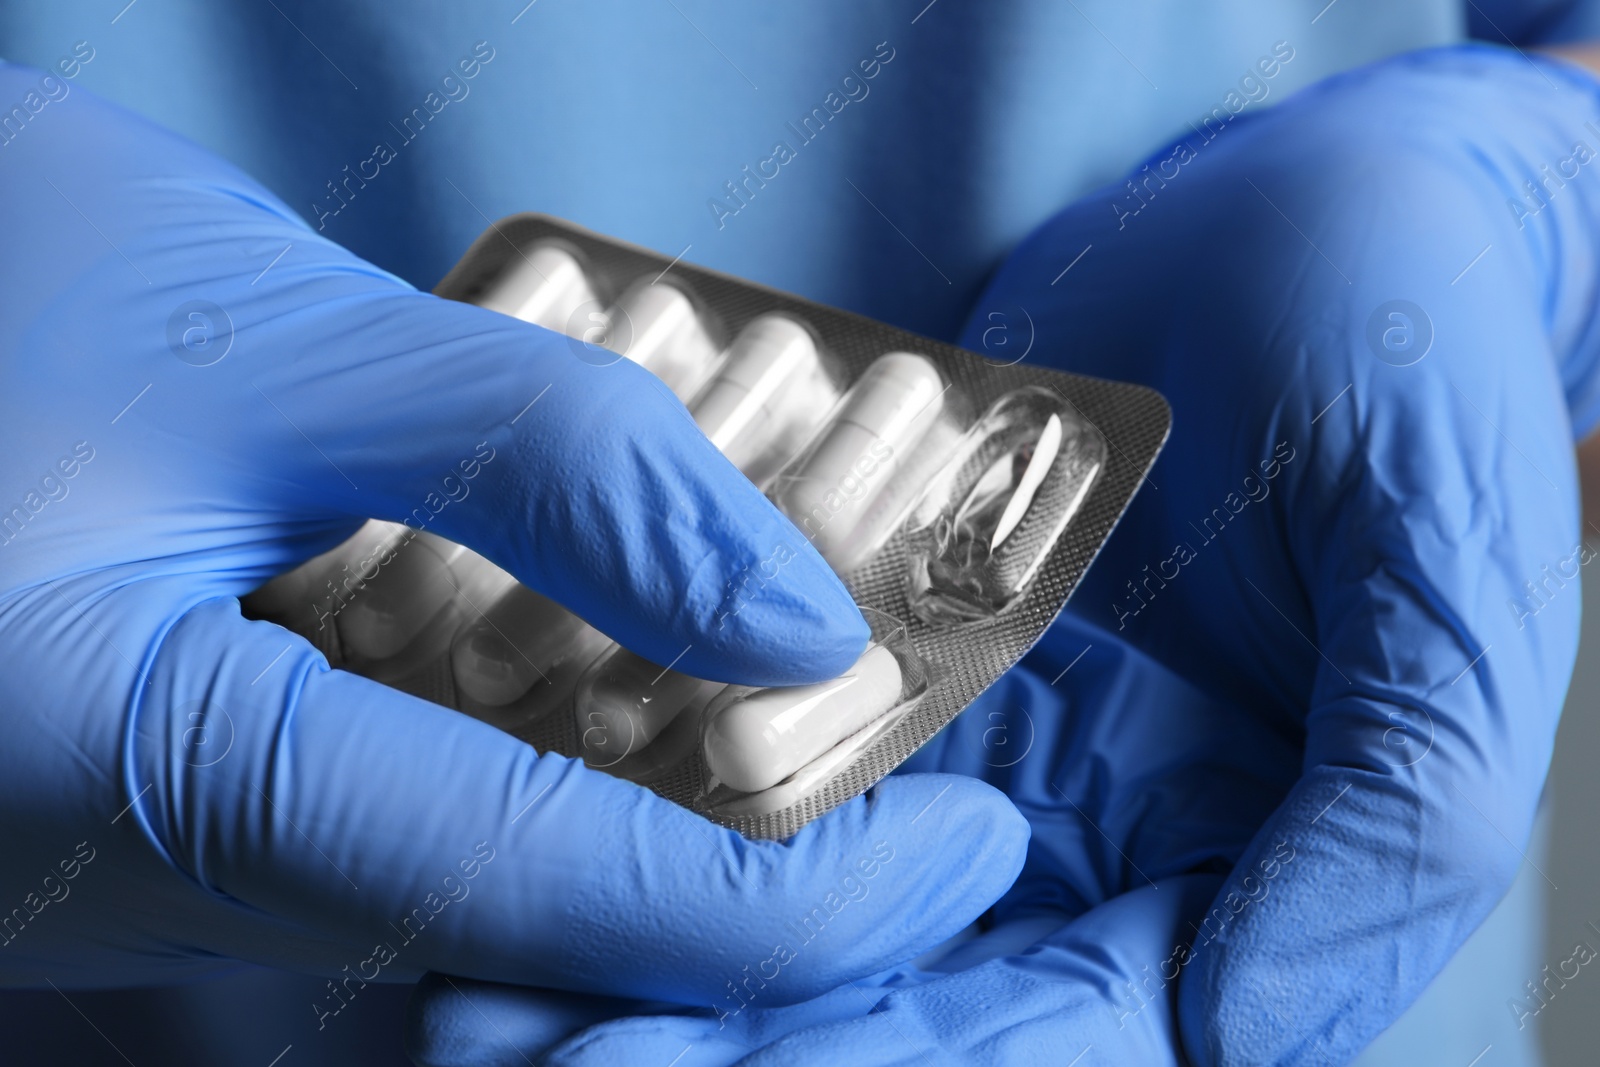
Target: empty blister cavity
546, 286
765, 747
521, 658
851, 488
628, 713
981, 533
768, 397
659, 327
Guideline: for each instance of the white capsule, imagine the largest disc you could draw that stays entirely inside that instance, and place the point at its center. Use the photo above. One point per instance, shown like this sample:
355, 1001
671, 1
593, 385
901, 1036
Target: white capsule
426, 576
767, 397
547, 287
520, 640
658, 327
308, 597
831, 495
287, 598
624, 702
755, 739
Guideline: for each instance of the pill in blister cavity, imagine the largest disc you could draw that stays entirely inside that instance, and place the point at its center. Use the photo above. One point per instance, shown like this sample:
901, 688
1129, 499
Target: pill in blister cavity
754, 739
309, 597
767, 397
425, 576
988, 521
830, 491
623, 702
546, 286
656, 325
521, 639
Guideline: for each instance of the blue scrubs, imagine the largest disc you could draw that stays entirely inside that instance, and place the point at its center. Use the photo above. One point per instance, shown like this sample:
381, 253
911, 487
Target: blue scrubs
632, 117
882, 158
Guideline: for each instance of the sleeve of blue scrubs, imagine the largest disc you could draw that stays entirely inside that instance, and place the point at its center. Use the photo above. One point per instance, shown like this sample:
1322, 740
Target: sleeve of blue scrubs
1328, 646
1527, 23
197, 392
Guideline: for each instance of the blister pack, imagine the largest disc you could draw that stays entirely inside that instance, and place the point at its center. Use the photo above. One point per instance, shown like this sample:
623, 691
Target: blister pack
959, 498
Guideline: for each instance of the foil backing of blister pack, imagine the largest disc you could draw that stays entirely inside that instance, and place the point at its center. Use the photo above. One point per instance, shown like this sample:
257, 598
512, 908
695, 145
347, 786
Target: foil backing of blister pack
969, 655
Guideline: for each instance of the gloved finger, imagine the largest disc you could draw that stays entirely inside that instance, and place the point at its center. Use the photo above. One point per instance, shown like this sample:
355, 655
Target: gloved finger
1104, 982
603, 494
1399, 431
332, 390
692, 1040
513, 1026
1433, 495
457, 1022
1101, 989
358, 812
1115, 760
464, 1022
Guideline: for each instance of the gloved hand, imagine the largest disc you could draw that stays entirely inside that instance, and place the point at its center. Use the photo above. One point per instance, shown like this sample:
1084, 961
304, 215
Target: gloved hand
198, 393
1357, 558
1073, 956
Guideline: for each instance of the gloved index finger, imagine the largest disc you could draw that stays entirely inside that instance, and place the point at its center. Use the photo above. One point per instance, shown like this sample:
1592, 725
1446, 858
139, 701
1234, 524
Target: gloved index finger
586, 480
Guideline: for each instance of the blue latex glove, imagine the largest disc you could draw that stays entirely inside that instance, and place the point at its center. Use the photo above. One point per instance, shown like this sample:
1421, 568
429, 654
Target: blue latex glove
1048, 972
1350, 692
180, 786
